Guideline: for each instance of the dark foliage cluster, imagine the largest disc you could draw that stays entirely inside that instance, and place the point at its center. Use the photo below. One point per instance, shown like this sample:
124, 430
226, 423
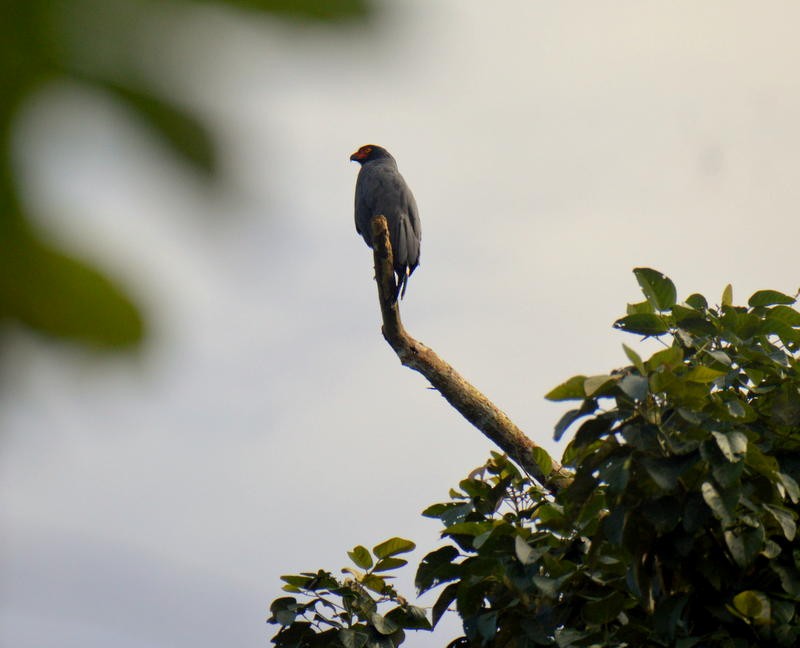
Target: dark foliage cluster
679, 525
361, 609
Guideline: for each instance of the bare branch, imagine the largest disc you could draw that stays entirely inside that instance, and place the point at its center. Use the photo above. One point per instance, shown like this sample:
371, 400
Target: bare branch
471, 403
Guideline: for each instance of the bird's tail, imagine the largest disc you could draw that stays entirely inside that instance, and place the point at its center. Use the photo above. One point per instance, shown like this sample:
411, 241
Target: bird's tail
402, 283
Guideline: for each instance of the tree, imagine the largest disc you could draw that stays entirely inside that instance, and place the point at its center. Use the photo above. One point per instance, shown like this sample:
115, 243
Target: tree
673, 521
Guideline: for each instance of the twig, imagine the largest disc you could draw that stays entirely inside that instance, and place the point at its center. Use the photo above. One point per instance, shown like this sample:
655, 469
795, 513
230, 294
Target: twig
471, 403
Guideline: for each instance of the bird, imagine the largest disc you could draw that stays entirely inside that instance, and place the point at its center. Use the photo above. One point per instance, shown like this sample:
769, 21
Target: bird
382, 191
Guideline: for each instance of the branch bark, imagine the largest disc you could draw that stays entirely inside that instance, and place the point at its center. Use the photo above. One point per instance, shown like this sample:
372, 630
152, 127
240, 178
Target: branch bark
471, 403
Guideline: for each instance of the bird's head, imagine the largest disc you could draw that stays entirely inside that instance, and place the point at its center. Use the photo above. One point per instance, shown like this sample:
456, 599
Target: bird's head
370, 152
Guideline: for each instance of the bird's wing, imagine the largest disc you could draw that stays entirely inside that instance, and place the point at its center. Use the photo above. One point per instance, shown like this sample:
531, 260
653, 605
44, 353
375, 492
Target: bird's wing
413, 215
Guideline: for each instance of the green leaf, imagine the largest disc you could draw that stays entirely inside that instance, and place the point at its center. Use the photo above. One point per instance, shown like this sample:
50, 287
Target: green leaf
736, 408
64, 298
721, 357
785, 520
665, 471
392, 547
572, 389
447, 596
728, 475
526, 554
352, 638
722, 507
436, 568
790, 580
551, 516
792, 489
670, 358
642, 324
703, 375
321, 580
732, 444
785, 314
692, 328
763, 464
640, 307
616, 473
768, 298
387, 564
296, 580
657, 288
788, 335
469, 528
594, 384
563, 425
410, 617
604, 610
744, 544
383, 625
284, 610
697, 301
374, 583
551, 586
361, 557
589, 432
481, 539
449, 512
635, 359
786, 406
543, 460
727, 296
753, 605
636, 387
771, 550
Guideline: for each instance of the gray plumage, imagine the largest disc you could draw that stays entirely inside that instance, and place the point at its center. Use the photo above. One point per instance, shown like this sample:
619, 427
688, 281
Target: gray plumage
381, 190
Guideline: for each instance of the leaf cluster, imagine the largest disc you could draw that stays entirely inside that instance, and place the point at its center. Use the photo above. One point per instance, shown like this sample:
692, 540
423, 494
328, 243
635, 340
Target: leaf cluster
348, 612
678, 526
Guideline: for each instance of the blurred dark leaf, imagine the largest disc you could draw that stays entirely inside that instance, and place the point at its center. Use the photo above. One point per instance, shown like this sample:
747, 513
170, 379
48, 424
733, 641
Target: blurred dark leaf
181, 131
62, 297
324, 10
95, 41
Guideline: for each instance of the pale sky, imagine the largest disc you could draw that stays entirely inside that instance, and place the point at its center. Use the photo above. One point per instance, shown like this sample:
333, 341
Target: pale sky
267, 428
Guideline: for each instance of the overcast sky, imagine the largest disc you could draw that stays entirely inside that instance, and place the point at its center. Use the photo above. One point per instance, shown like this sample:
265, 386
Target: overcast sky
266, 427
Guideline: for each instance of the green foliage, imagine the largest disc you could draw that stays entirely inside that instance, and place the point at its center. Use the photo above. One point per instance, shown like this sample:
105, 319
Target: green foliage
679, 525
94, 43
349, 612
62, 297
322, 10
